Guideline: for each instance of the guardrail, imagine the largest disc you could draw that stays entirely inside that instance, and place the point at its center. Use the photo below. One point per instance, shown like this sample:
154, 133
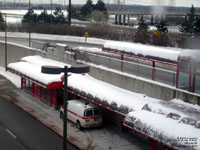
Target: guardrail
140, 70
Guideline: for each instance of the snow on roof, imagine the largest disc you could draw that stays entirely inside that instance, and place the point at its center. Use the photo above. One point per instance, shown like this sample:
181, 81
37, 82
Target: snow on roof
169, 128
31, 67
109, 92
161, 52
34, 72
40, 61
177, 107
192, 54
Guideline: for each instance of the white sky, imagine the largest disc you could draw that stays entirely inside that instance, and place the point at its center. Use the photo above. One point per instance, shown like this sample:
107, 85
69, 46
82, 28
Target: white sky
188, 3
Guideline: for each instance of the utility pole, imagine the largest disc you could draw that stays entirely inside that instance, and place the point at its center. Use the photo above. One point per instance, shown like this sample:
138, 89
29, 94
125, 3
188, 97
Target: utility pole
69, 13
6, 42
29, 5
51, 10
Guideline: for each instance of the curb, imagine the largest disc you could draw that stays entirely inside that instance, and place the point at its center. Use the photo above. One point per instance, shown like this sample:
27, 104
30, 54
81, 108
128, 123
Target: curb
34, 114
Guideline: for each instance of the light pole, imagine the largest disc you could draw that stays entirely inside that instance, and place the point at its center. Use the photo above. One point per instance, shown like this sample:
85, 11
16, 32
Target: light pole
56, 70
69, 13
29, 5
5, 42
51, 10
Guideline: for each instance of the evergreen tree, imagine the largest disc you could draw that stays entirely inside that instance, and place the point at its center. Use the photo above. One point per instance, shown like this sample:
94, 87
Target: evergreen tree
100, 6
197, 25
30, 17
44, 17
188, 26
75, 12
142, 25
1, 18
59, 16
87, 9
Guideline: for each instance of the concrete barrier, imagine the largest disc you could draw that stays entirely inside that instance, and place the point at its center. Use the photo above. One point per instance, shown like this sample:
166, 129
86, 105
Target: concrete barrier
159, 91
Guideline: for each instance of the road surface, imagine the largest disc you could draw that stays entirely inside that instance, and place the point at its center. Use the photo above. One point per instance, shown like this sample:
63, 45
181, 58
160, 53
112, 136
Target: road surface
19, 131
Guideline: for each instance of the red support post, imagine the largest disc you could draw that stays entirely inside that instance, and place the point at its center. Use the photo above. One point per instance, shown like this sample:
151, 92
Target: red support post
153, 70
190, 76
122, 58
177, 72
33, 88
153, 145
56, 99
51, 97
22, 83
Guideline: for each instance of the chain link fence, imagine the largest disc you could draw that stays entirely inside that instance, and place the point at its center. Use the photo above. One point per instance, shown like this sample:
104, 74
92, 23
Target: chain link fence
141, 70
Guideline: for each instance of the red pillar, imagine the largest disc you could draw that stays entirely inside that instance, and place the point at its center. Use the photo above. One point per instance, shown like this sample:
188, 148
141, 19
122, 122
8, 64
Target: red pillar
33, 88
153, 69
122, 58
22, 83
56, 99
153, 145
190, 76
51, 97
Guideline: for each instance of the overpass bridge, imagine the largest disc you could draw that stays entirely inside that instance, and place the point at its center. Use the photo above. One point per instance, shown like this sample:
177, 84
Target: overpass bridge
123, 17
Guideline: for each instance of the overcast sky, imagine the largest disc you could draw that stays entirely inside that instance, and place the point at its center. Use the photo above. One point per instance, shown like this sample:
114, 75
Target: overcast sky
186, 3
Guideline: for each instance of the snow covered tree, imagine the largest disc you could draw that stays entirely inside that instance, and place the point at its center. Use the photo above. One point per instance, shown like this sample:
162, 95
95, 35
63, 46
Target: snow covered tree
188, 26
44, 17
59, 17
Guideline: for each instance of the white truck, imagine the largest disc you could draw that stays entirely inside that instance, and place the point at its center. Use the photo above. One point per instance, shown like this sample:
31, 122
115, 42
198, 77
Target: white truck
83, 114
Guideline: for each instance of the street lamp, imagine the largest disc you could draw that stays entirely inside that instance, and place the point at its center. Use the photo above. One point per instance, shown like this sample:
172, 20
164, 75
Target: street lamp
69, 13
56, 70
5, 42
29, 7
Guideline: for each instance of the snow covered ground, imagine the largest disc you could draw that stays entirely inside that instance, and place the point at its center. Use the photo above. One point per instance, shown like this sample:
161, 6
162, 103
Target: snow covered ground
167, 122
133, 20
20, 12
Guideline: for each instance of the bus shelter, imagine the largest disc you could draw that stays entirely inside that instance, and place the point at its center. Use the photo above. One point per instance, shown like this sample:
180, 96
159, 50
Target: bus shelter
188, 71
47, 88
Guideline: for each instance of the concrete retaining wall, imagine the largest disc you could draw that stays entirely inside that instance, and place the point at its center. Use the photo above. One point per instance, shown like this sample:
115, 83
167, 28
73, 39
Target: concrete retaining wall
141, 86
15, 52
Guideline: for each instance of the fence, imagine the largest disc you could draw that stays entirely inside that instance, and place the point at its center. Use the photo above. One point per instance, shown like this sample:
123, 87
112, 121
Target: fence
141, 70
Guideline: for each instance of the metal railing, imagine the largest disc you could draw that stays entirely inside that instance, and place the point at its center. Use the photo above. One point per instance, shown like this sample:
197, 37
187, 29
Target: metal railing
137, 69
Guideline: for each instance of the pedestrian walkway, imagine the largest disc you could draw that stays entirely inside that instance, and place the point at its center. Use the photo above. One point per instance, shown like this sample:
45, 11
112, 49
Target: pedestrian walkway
107, 138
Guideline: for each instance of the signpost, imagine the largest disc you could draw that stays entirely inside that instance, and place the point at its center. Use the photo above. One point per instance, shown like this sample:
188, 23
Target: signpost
86, 36
157, 33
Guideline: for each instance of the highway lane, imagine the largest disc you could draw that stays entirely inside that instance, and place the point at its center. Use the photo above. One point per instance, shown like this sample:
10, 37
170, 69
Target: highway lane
25, 42
19, 131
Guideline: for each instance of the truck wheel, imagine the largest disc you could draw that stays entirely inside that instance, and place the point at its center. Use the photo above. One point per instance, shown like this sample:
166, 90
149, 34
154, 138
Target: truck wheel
61, 115
78, 125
